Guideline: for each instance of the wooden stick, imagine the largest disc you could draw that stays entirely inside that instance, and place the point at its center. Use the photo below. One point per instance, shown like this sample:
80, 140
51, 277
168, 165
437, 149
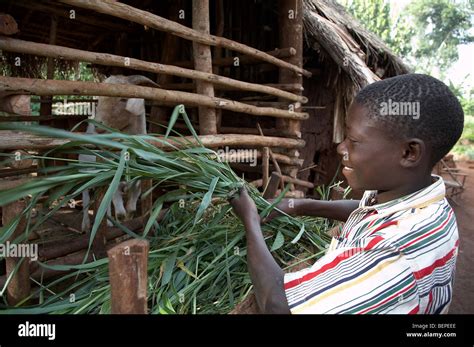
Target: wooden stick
291, 35
272, 186
23, 161
192, 86
99, 241
203, 62
161, 113
128, 265
53, 87
19, 286
265, 165
146, 202
46, 106
253, 131
17, 172
42, 118
288, 179
60, 52
8, 24
150, 20
17, 104
274, 161
60, 248
230, 61
13, 140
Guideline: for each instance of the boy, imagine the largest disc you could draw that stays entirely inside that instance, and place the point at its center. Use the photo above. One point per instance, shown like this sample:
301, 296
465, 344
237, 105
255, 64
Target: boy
397, 250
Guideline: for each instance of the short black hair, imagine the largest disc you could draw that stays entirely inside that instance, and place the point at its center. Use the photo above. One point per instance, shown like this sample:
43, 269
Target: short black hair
434, 113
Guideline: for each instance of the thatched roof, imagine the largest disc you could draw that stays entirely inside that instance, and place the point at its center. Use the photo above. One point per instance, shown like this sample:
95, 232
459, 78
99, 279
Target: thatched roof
356, 50
361, 56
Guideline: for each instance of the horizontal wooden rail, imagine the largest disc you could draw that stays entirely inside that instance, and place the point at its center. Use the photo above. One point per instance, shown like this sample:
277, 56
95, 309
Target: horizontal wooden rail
54, 87
13, 140
61, 52
151, 20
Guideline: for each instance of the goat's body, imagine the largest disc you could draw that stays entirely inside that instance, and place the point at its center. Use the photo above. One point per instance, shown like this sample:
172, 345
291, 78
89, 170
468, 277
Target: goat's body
127, 116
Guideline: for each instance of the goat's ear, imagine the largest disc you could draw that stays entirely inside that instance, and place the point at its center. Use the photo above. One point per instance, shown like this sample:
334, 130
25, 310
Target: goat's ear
140, 80
135, 106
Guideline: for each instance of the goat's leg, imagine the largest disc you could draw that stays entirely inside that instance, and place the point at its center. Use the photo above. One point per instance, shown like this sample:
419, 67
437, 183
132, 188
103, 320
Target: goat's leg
86, 222
120, 212
134, 194
109, 214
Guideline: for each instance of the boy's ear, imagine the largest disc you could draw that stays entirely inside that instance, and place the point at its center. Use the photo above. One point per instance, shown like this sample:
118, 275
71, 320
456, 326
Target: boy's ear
414, 150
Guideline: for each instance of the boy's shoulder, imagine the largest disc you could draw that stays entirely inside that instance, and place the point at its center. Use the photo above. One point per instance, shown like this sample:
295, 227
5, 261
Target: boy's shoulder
430, 226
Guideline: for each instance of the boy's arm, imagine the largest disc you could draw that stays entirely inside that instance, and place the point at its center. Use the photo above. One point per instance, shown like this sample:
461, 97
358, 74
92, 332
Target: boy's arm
337, 209
267, 277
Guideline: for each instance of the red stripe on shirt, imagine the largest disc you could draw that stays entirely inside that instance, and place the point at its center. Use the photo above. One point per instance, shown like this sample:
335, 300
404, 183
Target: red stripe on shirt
437, 263
431, 232
384, 225
345, 255
415, 310
389, 298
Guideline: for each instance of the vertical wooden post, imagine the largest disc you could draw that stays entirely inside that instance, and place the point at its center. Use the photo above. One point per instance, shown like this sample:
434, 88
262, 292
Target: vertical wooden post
291, 35
219, 52
169, 54
146, 202
265, 166
128, 265
203, 62
19, 286
98, 244
46, 101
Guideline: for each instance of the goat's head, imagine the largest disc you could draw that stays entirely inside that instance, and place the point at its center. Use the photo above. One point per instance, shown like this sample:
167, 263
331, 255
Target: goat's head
119, 112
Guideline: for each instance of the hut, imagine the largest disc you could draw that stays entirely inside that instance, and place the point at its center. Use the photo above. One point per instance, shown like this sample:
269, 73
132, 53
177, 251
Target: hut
274, 76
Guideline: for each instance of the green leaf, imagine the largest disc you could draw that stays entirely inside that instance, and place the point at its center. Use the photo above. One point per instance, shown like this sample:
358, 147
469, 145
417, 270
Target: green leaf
174, 117
278, 242
206, 200
298, 237
168, 269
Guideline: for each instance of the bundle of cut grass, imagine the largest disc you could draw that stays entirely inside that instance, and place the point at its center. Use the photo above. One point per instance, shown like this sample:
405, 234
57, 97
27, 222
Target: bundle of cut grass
197, 259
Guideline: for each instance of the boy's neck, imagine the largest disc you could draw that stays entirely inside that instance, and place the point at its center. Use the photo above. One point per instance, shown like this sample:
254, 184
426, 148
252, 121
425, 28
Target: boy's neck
411, 187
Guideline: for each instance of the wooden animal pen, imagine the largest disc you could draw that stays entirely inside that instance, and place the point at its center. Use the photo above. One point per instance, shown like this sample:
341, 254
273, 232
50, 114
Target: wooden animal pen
276, 76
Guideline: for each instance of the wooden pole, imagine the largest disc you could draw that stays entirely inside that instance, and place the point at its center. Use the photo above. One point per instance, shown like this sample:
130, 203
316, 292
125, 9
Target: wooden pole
203, 62
60, 52
14, 139
46, 100
272, 186
172, 97
228, 61
8, 24
291, 35
17, 104
265, 165
19, 286
161, 114
128, 265
150, 20
100, 239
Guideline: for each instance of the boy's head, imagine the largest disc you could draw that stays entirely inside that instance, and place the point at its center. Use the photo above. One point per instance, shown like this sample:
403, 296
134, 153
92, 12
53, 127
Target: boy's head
397, 129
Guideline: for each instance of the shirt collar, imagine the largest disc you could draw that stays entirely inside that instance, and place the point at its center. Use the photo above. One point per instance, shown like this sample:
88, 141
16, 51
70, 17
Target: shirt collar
424, 197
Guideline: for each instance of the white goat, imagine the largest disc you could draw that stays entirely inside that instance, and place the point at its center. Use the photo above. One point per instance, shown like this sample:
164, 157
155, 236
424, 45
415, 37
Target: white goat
127, 116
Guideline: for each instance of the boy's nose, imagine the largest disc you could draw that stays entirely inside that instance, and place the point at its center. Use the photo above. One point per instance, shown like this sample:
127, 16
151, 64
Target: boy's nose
341, 148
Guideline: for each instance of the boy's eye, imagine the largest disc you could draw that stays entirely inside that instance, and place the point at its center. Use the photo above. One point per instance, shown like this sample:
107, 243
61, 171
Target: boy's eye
351, 140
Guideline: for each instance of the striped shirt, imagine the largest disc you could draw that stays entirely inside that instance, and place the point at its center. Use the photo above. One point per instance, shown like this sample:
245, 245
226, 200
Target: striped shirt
394, 257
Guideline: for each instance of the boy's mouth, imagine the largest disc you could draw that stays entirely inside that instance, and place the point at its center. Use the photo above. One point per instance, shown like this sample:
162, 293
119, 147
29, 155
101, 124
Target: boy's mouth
347, 168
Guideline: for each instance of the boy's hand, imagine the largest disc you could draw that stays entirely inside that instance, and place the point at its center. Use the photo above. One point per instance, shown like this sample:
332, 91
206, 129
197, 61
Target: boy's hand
243, 205
286, 205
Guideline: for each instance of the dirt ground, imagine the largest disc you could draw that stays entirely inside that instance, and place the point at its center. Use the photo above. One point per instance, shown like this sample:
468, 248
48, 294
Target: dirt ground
463, 295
